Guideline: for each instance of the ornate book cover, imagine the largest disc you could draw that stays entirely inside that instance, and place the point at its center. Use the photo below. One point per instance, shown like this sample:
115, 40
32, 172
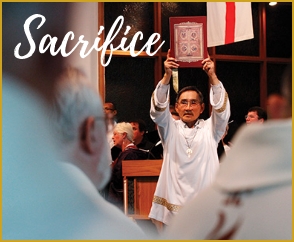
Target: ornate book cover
188, 40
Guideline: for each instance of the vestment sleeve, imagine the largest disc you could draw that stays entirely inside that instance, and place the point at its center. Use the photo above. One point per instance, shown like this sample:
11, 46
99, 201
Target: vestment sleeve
220, 115
159, 100
159, 111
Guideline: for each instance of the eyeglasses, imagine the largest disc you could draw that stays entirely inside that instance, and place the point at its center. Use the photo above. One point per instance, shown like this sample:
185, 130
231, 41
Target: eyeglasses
111, 109
250, 117
193, 102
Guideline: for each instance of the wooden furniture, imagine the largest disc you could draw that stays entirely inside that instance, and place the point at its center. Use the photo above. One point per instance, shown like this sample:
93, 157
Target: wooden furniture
145, 174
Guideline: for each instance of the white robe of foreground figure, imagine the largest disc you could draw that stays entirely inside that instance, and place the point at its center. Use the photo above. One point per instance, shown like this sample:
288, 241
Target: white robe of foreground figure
251, 198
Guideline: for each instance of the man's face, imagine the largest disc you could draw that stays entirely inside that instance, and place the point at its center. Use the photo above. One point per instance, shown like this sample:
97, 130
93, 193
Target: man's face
275, 106
138, 135
108, 110
252, 117
189, 107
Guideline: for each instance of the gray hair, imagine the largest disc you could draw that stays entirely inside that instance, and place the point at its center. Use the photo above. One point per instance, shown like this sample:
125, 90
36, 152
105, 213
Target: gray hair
124, 127
76, 99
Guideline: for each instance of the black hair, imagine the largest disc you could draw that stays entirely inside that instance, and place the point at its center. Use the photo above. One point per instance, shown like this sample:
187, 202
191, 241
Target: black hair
190, 88
141, 123
260, 112
113, 105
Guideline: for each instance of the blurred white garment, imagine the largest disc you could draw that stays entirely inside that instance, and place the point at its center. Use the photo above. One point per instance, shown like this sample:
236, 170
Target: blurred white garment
251, 197
110, 134
227, 148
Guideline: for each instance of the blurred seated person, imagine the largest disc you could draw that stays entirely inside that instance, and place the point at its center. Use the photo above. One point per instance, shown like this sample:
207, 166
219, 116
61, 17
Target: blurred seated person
140, 139
157, 150
223, 148
275, 106
115, 151
122, 138
226, 146
110, 115
256, 115
221, 145
173, 112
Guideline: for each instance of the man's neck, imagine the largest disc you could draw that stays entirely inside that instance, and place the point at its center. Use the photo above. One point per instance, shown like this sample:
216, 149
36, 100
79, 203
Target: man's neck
191, 124
138, 141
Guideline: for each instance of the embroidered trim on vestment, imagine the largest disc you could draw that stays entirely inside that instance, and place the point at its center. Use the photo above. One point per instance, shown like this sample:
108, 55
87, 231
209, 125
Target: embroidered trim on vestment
224, 105
165, 203
157, 108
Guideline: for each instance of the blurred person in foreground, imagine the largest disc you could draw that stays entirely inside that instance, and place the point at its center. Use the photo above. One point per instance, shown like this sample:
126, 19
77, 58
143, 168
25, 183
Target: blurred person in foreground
40, 201
275, 105
80, 121
251, 198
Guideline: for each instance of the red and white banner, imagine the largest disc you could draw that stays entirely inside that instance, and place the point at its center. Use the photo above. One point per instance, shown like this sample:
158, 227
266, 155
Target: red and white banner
228, 22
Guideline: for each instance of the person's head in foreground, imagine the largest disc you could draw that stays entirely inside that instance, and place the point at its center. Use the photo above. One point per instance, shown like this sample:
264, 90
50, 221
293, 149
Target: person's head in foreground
80, 123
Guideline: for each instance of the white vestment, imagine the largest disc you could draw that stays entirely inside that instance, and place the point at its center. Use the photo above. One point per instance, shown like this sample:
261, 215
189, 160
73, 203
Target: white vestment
181, 176
251, 198
109, 134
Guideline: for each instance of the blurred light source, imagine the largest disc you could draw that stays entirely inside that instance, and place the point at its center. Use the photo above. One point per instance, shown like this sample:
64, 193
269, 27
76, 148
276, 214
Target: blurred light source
273, 3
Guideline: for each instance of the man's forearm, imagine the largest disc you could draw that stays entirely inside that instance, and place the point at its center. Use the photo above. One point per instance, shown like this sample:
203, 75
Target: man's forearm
217, 90
213, 80
162, 91
165, 79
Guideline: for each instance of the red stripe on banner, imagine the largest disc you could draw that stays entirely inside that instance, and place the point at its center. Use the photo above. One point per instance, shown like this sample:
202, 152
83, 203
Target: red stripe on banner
230, 22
